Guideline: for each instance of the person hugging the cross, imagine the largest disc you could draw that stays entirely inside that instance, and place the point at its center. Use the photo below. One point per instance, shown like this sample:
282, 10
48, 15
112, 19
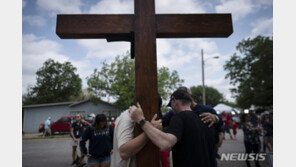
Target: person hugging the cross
191, 141
125, 144
208, 116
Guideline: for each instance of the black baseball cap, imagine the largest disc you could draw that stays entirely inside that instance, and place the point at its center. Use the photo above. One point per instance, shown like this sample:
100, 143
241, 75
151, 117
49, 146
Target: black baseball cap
180, 95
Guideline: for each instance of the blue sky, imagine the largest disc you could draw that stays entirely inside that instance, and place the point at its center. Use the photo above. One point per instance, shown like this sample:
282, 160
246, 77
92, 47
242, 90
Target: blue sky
250, 18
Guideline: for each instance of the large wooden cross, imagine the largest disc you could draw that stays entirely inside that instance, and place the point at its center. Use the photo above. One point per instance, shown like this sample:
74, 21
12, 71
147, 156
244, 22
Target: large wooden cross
141, 29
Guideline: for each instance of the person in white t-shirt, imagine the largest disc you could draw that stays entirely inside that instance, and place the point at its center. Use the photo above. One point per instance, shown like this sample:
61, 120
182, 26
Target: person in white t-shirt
125, 144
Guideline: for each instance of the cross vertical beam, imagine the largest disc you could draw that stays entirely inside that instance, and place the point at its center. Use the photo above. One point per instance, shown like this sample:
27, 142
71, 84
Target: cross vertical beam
146, 73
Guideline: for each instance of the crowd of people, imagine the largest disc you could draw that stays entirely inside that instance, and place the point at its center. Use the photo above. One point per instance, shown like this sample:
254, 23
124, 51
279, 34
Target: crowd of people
192, 132
254, 127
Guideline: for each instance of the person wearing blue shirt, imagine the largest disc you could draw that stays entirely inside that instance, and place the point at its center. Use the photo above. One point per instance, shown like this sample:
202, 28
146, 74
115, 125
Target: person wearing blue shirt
47, 127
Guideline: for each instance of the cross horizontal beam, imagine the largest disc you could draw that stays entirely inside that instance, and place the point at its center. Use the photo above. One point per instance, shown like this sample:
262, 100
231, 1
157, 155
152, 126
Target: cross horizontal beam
93, 26
193, 25
120, 27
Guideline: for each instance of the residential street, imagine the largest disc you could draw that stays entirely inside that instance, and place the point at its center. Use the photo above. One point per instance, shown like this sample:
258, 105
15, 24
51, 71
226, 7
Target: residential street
56, 152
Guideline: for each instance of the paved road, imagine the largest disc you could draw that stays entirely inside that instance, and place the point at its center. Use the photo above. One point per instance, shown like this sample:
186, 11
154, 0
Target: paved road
57, 152
236, 146
47, 153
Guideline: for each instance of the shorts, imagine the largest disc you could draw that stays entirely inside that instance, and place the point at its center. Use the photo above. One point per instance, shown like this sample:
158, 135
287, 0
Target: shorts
74, 143
48, 130
93, 161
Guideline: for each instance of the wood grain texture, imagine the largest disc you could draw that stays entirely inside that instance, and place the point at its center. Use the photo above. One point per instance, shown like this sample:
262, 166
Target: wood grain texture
167, 26
193, 25
146, 74
93, 26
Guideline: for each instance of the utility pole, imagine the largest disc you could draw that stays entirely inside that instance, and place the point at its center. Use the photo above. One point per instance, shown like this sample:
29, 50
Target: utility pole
203, 79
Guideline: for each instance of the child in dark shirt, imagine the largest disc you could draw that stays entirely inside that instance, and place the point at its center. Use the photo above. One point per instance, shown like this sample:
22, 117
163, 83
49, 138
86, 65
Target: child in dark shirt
100, 138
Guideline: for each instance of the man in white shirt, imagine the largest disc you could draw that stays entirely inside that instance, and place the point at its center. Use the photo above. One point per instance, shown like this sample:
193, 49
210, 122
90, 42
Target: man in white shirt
125, 144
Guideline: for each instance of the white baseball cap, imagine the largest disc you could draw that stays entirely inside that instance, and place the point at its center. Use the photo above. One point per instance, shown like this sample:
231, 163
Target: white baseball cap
92, 115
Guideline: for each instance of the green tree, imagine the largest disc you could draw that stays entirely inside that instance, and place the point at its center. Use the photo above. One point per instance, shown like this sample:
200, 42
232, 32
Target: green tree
251, 72
117, 81
213, 96
56, 82
229, 103
83, 95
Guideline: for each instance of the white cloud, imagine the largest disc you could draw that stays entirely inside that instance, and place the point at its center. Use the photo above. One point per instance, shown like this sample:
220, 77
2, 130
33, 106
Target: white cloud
265, 2
222, 85
38, 21
60, 6
215, 65
35, 52
112, 7
176, 53
180, 6
184, 55
242, 8
238, 8
208, 45
102, 49
83, 68
161, 6
262, 26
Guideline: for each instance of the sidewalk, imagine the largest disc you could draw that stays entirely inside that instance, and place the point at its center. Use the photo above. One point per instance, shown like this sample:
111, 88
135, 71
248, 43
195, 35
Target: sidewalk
33, 136
236, 146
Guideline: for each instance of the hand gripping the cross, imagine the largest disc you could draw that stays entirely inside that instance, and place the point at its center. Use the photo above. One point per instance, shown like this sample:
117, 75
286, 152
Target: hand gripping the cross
136, 114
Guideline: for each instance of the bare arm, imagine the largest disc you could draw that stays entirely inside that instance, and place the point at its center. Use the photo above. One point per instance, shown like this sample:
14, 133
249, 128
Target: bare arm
162, 140
72, 133
165, 141
133, 146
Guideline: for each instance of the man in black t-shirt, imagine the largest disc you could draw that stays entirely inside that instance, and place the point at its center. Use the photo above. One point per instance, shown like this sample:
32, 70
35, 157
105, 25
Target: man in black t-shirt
191, 140
76, 131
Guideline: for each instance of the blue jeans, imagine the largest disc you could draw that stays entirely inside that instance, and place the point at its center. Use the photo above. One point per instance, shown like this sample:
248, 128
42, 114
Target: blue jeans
93, 161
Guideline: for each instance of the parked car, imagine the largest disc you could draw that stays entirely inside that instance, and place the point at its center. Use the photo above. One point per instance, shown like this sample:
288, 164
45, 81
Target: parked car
61, 125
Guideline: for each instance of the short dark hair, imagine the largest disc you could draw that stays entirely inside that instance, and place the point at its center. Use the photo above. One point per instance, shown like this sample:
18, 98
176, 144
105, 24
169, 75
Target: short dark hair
185, 102
183, 88
182, 96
